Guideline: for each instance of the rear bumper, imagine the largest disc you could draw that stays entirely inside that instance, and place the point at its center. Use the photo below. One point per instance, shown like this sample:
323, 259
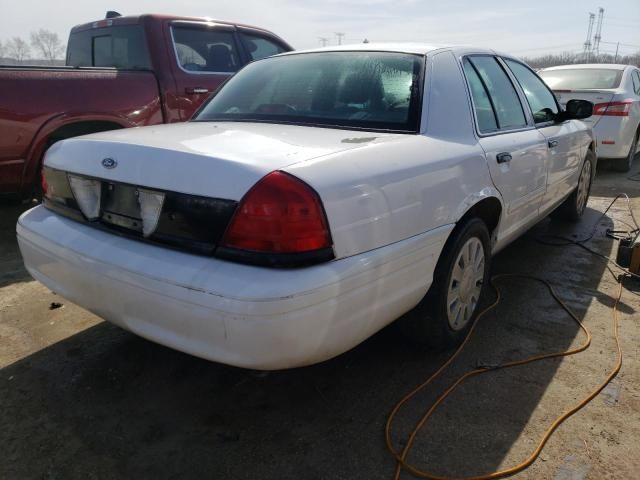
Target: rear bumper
621, 130
236, 314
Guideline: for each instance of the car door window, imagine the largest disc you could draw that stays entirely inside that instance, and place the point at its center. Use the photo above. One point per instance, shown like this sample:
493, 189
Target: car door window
636, 82
503, 95
541, 100
261, 47
205, 49
482, 104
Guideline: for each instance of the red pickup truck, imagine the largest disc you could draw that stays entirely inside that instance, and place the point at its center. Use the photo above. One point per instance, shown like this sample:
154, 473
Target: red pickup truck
121, 72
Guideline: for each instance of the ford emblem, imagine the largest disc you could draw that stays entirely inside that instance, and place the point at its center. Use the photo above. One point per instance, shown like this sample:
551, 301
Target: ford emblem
109, 163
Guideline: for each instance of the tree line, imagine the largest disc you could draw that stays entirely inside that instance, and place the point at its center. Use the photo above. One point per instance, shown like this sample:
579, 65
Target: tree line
570, 58
44, 44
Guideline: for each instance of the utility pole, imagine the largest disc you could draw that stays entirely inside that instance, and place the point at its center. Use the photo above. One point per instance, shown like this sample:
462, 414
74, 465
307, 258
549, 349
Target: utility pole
587, 42
339, 35
323, 41
615, 60
598, 36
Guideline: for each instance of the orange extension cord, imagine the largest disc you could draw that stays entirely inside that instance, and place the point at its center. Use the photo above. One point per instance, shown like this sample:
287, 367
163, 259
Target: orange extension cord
400, 457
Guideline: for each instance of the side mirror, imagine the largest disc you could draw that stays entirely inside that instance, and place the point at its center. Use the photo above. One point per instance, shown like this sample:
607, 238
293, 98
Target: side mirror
577, 110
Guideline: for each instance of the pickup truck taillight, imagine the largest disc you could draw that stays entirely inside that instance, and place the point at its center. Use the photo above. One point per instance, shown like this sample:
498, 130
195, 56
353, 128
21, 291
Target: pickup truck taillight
613, 109
279, 222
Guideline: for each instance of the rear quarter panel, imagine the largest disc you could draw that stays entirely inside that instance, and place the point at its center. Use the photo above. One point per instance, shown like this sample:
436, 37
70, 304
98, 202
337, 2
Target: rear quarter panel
400, 186
395, 189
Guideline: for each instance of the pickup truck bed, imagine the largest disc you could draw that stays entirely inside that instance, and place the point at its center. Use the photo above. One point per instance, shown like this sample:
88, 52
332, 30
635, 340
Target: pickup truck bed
102, 99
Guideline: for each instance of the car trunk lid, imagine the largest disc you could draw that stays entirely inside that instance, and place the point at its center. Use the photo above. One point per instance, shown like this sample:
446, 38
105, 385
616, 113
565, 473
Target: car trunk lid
221, 160
179, 185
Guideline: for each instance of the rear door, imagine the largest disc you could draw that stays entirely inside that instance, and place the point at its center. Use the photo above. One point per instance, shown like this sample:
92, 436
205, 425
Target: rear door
204, 55
565, 140
516, 152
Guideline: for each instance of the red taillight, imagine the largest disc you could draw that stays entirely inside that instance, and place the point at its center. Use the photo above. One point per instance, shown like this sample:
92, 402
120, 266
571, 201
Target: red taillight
613, 109
280, 214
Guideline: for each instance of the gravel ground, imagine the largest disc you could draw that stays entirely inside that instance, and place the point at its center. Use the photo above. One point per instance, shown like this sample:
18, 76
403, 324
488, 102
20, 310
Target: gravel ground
82, 399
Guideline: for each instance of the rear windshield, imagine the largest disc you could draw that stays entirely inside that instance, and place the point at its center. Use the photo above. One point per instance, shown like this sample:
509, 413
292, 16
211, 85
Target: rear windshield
582, 78
368, 90
122, 47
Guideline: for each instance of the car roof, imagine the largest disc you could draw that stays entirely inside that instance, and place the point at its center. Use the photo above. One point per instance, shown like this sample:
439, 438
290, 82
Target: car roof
400, 47
601, 66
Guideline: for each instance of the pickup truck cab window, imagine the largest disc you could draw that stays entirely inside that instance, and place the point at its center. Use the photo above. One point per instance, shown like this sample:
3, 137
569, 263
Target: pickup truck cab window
123, 47
541, 100
205, 49
259, 47
504, 99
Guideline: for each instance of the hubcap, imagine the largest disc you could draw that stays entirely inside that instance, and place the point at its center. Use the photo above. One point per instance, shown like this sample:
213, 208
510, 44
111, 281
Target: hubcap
583, 186
466, 283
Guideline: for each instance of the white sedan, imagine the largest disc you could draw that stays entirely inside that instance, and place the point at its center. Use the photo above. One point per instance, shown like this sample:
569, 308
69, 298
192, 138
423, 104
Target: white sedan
615, 92
316, 198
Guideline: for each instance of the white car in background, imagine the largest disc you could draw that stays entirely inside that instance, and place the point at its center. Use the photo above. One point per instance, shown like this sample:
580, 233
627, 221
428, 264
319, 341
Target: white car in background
615, 92
316, 198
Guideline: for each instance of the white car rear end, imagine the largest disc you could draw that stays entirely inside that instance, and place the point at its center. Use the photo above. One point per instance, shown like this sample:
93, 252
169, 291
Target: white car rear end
312, 201
615, 92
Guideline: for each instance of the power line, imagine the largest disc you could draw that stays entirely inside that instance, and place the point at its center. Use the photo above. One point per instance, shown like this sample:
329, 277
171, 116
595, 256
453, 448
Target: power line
620, 43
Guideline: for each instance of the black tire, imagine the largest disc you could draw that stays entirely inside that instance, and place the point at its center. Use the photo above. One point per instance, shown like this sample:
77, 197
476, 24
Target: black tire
626, 164
428, 323
574, 206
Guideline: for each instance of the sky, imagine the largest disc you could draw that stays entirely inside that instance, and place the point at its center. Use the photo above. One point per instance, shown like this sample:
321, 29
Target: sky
523, 28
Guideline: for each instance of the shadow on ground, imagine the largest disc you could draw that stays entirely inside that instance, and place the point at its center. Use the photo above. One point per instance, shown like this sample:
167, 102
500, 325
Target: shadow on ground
11, 267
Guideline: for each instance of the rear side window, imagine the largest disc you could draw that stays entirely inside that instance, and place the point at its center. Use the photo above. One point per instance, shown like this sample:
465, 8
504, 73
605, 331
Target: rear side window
504, 99
482, 104
541, 100
261, 47
636, 81
205, 49
121, 47
582, 78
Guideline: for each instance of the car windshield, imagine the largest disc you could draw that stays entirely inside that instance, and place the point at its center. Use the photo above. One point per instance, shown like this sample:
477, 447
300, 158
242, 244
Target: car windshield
363, 90
582, 78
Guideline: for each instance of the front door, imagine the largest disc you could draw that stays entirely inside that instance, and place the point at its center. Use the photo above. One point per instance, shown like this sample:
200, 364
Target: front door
564, 140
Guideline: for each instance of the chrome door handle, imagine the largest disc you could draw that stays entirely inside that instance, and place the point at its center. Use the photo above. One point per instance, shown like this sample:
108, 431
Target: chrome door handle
504, 157
552, 143
196, 90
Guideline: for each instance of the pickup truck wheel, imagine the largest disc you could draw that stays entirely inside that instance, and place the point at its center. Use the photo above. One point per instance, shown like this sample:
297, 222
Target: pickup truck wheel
444, 316
574, 206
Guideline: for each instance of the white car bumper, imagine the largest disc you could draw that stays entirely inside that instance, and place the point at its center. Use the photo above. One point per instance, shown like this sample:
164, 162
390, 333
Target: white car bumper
236, 314
621, 130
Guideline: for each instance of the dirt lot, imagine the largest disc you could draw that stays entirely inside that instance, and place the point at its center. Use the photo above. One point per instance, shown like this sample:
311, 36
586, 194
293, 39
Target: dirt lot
82, 399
